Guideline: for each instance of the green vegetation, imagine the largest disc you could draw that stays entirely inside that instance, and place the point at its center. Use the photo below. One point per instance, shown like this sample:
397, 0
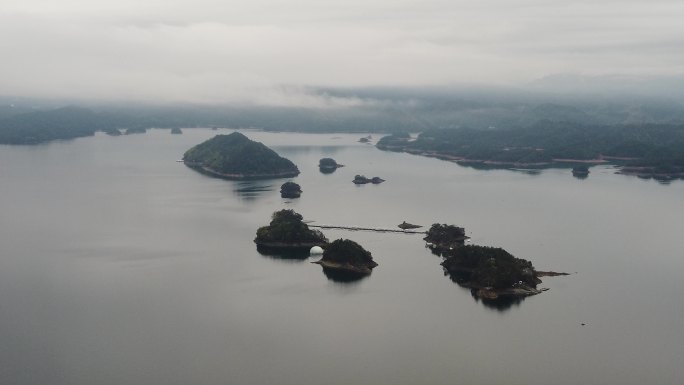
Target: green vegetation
43, 126
489, 267
234, 156
287, 230
580, 171
176, 131
394, 142
443, 237
328, 164
659, 147
290, 190
491, 272
347, 255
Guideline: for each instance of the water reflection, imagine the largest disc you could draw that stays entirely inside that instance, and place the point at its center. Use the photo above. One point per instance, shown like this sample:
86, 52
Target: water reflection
661, 179
501, 304
490, 167
251, 190
297, 255
527, 171
343, 277
664, 179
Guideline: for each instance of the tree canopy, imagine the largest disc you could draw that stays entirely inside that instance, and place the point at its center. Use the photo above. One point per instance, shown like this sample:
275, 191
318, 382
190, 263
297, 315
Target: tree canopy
345, 251
655, 145
482, 266
235, 154
287, 226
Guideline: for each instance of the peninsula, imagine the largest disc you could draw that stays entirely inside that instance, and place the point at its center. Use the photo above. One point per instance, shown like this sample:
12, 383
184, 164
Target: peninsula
235, 156
645, 150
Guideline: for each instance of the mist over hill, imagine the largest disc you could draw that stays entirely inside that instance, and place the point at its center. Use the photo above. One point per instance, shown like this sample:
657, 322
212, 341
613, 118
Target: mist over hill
376, 109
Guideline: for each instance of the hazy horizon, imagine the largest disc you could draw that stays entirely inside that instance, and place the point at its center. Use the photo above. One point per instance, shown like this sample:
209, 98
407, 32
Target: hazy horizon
271, 52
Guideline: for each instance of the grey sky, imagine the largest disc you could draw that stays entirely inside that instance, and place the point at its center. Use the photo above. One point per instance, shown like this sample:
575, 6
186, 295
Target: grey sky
230, 51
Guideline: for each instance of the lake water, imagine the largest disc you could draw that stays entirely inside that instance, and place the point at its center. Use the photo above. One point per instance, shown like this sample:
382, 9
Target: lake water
119, 265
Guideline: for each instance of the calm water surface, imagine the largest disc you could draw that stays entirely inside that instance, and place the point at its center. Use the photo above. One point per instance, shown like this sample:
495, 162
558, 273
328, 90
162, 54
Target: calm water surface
120, 266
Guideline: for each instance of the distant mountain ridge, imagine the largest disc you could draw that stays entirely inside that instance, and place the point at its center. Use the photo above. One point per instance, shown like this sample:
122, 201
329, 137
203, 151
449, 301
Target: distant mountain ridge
382, 110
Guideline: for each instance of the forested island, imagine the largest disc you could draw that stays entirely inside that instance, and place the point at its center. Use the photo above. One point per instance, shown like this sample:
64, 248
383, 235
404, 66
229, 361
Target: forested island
328, 165
235, 156
489, 271
443, 237
347, 256
290, 189
361, 179
643, 150
287, 231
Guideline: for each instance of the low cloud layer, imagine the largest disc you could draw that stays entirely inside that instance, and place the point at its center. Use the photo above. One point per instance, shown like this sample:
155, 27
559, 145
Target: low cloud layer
211, 51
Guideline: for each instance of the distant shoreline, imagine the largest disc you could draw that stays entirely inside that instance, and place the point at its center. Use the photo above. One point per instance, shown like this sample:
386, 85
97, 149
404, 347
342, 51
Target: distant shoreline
641, 171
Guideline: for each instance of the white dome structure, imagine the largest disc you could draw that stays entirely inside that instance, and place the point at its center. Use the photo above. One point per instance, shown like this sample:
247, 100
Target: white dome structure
316, 250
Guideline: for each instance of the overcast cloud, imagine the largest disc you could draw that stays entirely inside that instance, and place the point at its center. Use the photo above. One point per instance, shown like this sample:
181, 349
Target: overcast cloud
268, 51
